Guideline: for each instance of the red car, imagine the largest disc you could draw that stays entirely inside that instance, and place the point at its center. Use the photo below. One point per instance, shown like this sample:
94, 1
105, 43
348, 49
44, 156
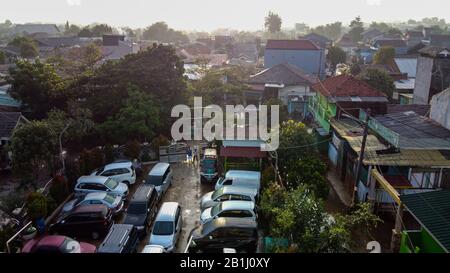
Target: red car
57, 244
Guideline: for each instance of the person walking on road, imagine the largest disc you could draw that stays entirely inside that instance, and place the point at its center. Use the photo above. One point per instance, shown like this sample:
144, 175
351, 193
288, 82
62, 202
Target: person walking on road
195, 154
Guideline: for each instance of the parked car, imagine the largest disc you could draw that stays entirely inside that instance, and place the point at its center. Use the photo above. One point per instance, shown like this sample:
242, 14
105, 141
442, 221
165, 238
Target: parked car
122, 171
153, 249
234, 209
161, 177
167, 226
57, 244
208, 166
114, 202
88, 184
239, 178
121, 238
226, 193
142, 208
84, 221
238, 233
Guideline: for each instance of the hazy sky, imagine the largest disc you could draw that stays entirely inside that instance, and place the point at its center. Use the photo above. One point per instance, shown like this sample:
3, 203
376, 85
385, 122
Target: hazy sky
212, 14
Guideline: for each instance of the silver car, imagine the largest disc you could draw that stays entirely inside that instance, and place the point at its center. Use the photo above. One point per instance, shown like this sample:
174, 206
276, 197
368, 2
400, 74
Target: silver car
234, 209
114, 202
161, 177
153, 249
167, 226
88, 184
228, 193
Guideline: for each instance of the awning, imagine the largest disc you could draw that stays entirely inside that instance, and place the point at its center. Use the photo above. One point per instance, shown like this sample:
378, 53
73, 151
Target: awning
242, 152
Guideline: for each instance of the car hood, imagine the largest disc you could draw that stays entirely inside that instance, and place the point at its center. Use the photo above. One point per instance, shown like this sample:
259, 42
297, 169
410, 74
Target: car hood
206, 200
122, 188
162, 240
206, 215
87, 248
134, 219
68, 206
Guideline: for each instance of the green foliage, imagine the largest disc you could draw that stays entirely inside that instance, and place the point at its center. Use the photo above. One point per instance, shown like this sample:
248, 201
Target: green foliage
162, 33
37, 206
380, 80
109, 153
283, 111
361, 219
332, 31
311, 173
91, 160
267, 177
383, 27
26, 46
132, 149
385, 55
394, 31
71, 29
273, 22
336, 56
33, 144
158, 141
38, 87
59, 189
356, 29
95, 31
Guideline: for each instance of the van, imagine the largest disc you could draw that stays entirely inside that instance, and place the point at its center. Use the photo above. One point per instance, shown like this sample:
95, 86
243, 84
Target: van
120, 239
167, 226
249, 179
160, 176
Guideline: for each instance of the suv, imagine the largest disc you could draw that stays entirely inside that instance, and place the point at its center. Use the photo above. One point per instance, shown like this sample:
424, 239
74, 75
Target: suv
214, 236
161, 177
226, 193
121, 171
167, 226
114, 202
142, 208
87, 184
235, 209
120, 239
84, 221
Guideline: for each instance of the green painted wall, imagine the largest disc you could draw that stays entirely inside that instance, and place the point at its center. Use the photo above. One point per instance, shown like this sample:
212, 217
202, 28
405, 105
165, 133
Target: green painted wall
422, 243
322, 110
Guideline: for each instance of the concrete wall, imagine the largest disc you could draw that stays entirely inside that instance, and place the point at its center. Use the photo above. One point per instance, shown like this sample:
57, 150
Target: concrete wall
311, 61
423, 80
440, 108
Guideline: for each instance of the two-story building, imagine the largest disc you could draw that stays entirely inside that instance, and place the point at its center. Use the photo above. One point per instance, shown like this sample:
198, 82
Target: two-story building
303, 54
400, 46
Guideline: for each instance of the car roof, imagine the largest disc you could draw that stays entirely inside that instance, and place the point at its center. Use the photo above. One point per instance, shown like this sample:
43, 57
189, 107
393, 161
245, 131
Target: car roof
238, 205
115, 165
116, 238
143, 192
159, 169
90, 208
231, 222
51, 240
167, 211
243, 174
92, 179
239, 190
95, 195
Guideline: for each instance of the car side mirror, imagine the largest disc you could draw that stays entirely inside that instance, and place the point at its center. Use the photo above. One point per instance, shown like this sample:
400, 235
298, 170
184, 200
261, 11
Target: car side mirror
210, 237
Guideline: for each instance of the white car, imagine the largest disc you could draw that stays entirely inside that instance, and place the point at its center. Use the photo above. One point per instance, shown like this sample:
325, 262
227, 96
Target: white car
161, 177
153, 249
121, 171
233, 209
167, 226
227, 193
114, 202
88, 184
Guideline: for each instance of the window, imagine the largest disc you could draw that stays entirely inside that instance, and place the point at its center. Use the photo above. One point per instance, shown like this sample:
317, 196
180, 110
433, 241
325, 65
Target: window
228, 182
163, 228
246, 198
154, 180
137, 208
109, 173
231, 213
224, 197
236, 197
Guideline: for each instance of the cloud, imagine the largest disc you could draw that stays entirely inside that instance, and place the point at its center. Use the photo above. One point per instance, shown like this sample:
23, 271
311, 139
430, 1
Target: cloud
373, 2
72, 3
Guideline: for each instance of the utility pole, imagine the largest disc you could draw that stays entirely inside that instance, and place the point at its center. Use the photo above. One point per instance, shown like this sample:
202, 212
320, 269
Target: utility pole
61, 154
361, 155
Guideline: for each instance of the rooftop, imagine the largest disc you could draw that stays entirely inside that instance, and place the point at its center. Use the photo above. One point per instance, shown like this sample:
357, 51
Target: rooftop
284, 74
391, 42
8, 122
435, 51
346, 86
301, 44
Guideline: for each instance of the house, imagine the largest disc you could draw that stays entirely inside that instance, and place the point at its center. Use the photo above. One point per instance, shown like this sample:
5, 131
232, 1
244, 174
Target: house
195, 49
344, 94
431, 211
433, 73
285, 82
365, 54
221, 41
9, 121
321, 41
115, 47
440, 108
414, 38
405, 66
33, 29
303, 54
441, 40
400, 46
347, 44
369, 35
249, 51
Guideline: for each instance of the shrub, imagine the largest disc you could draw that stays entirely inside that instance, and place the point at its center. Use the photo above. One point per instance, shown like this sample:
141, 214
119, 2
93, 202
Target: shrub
159, 141
59, 189
132, 149
37, 205
109, 153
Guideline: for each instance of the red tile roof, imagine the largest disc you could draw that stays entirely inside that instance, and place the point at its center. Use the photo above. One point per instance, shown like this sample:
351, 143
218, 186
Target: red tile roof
345, 86
292, 44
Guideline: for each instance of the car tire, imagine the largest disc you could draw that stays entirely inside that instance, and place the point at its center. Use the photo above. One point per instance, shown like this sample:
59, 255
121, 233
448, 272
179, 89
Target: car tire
95, 235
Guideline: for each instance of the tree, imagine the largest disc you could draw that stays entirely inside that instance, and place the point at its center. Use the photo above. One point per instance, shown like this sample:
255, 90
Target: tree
273, 22
394, 32
26, 46
85, 32
356, 29
2, 57
385, 55
33, 145
38, 87
71, 29
336, 56
331, 31
383, 27
379, 80
100, 30
161, 32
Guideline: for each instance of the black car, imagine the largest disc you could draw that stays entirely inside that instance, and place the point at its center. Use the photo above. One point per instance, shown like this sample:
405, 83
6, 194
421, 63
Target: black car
142, 208
84, 221
238, 233
120, 239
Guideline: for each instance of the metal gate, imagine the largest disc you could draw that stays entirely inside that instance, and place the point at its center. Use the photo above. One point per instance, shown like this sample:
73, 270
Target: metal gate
173, 153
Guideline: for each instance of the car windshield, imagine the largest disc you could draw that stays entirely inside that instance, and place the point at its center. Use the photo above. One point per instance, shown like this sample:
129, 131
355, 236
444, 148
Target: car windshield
70, 246
110, 183
163, 228
216, 209
100, 170
137, 208
154, 180
217, 193
109, 198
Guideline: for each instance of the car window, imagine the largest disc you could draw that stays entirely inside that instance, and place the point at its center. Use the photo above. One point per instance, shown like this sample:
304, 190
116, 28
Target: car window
154, 180
246, 198
137, 208
246, 213
110, 183
231, 213
228, 182
163, 228
236, 197
109, 173
224, 197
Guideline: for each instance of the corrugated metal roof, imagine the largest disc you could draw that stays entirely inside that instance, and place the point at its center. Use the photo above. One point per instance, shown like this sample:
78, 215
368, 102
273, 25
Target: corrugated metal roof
432, 211
407, 65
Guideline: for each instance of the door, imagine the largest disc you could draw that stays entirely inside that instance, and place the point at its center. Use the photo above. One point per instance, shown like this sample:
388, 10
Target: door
178, 225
